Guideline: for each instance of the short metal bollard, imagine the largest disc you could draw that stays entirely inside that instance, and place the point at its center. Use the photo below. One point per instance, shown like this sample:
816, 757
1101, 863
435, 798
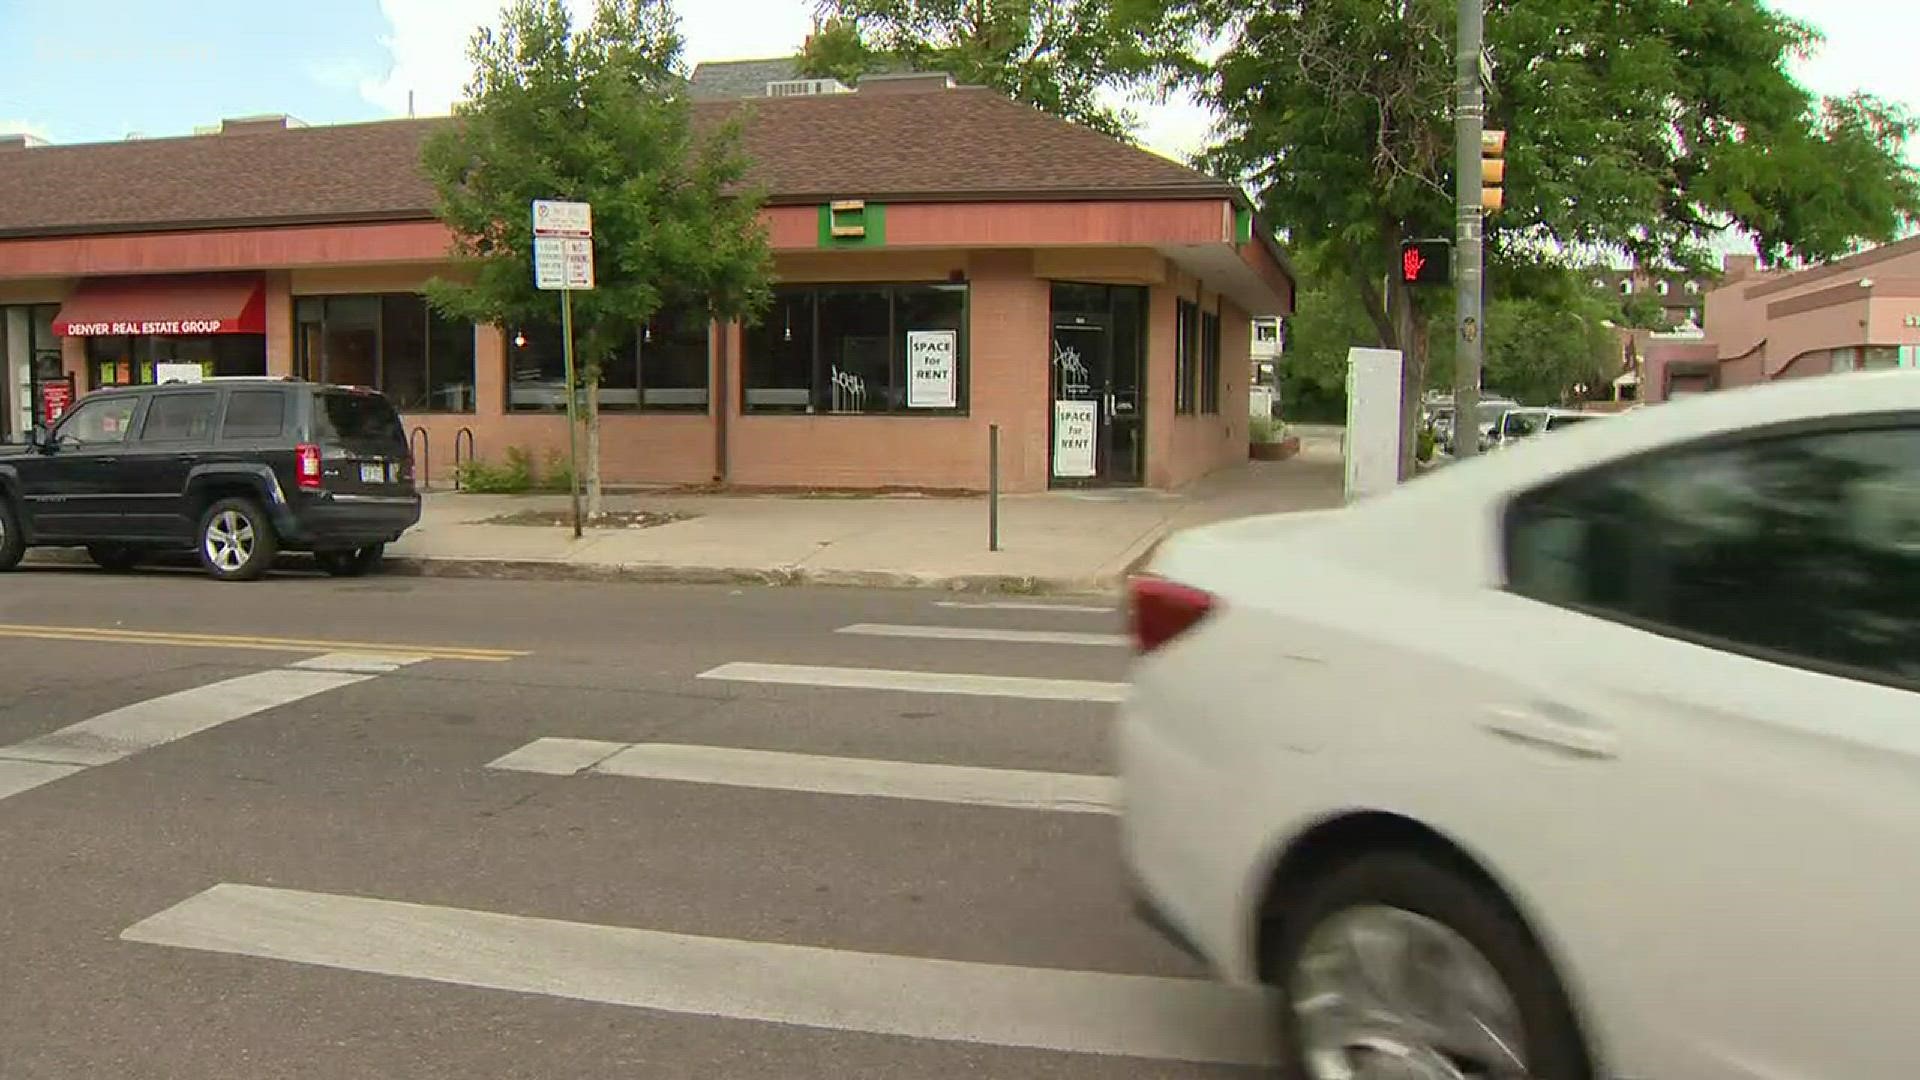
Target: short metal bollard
993, 487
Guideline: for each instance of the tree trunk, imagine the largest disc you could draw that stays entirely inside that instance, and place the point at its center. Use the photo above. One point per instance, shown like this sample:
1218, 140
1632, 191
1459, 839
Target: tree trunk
592, 465
1410, 335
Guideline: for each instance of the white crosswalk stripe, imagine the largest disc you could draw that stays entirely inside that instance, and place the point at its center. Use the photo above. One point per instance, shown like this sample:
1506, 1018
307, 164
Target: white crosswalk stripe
123, 732
922, 682
1026, 605
968, 785
1079, 1011
977, 633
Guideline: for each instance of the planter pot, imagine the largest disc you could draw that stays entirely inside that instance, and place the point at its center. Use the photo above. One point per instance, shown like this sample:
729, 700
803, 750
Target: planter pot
1274, 451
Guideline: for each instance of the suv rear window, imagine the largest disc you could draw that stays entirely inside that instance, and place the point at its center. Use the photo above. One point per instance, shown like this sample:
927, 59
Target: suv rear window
352, 416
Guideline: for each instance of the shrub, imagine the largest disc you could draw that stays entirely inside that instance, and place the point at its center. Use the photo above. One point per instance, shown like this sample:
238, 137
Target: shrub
1427, 444
1261, 429
513, 476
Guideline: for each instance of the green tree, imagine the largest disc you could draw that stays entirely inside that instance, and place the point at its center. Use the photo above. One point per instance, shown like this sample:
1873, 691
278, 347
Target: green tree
837, 51
597, 115
1643, 128
1066, 57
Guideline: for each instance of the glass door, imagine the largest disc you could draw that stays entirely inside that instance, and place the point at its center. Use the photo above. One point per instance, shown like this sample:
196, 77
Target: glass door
1098, 422
1081, 350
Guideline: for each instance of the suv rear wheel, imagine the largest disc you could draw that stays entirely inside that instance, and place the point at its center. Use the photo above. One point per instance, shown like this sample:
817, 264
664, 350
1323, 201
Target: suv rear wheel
353, 562
13, 543
236, 540
114, 556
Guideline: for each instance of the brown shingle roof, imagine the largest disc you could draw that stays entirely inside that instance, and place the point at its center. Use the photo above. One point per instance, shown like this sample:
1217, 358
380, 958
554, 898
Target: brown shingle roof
936, 145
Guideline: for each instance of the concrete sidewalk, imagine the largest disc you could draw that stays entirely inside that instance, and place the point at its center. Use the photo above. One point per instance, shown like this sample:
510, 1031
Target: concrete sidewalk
1055, 542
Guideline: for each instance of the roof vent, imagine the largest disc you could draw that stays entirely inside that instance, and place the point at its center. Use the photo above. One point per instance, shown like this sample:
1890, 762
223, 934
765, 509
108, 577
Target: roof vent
907, 82
806, 87
251, 125
20, 141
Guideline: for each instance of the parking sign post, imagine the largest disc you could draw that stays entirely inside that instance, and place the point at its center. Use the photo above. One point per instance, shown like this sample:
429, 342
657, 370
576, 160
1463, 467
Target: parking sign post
563, 262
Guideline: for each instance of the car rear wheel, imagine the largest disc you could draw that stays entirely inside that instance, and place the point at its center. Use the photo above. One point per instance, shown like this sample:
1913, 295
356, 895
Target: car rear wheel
352, 562
113, 556
1397, 965
13, 543
236, 540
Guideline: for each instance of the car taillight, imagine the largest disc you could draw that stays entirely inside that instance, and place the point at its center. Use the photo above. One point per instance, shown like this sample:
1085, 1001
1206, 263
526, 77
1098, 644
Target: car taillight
306, 459
1162, 610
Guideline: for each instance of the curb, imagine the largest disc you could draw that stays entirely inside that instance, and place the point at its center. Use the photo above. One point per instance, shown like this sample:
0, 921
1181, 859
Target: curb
658, 574
661, 574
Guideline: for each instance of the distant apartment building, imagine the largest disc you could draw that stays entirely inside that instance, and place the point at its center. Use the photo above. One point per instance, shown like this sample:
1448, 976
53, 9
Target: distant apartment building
1682, 297
1861, 313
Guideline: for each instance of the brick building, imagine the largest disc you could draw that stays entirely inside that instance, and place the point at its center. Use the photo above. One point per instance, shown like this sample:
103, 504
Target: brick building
1077, 292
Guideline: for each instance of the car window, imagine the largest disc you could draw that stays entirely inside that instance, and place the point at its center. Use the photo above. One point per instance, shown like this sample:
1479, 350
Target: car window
341, 414
100, 422
1804, 546
254, 414
1563, 421
180, 417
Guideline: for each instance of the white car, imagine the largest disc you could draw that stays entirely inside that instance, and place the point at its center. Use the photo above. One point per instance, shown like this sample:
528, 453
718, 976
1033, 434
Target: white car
1517, 424
1598, 757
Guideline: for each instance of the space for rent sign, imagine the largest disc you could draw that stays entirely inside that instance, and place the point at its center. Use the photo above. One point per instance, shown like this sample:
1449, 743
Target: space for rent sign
933, 369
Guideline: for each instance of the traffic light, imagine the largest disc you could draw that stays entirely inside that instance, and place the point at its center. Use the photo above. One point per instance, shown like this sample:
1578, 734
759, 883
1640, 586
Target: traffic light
1426, 262
1493, 170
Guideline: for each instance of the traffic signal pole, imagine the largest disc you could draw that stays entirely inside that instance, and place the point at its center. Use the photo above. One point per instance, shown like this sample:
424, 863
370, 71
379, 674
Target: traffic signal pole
1469, 260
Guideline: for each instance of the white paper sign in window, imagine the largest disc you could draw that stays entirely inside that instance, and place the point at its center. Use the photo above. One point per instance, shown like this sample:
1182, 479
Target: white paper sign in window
933, 369
1074, 423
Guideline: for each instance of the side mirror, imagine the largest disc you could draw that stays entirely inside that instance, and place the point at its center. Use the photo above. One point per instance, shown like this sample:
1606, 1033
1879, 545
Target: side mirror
38, 438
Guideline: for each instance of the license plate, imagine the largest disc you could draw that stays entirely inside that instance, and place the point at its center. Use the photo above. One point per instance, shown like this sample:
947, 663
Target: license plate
375, 473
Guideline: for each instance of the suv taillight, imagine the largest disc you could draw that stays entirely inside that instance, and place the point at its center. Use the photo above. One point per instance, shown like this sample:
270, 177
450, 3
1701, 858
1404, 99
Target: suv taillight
1161, 610
306, 458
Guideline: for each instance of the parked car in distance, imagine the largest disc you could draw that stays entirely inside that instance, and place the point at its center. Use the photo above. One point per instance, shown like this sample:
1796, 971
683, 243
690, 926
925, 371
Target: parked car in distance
236, 470
1519, 423
1596, 757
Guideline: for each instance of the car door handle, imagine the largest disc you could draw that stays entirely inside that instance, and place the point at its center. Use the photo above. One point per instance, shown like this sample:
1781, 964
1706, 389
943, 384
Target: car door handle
1553, 727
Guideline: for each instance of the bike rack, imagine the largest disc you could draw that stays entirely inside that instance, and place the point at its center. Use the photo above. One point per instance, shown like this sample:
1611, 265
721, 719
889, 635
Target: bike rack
472, 454
425, 456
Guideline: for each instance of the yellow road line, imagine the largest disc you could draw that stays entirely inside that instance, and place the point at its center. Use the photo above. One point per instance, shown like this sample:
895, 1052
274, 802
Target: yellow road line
221, 641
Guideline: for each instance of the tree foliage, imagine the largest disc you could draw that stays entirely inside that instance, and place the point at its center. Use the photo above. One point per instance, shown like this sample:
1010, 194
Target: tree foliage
1643, 127
1066, 57
597, 115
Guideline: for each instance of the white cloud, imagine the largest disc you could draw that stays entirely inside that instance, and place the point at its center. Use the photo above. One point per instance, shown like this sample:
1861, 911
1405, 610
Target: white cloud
25, 127
427, 47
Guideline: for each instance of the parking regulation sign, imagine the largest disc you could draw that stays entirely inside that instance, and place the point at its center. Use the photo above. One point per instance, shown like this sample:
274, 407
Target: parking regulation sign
562, 263
570, 219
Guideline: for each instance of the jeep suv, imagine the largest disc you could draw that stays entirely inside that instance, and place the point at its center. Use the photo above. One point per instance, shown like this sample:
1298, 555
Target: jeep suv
235, 469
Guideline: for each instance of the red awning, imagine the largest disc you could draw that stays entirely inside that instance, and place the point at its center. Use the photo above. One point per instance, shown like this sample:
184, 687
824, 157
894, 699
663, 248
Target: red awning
182, 305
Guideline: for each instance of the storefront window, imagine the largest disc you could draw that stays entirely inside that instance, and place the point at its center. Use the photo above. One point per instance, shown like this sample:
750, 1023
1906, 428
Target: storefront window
1879, 357
422, 360
120, 360
29, 355
664, 367
850, 349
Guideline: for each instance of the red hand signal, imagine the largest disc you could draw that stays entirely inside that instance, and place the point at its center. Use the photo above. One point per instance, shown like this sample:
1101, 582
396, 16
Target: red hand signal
1412, 262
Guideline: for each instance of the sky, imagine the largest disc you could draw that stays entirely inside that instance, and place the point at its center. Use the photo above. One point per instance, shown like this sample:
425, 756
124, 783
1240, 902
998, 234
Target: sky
100, 70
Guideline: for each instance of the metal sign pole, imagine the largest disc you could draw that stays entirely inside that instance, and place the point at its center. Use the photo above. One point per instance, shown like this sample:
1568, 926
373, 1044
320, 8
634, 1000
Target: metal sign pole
573, 418
1469, 122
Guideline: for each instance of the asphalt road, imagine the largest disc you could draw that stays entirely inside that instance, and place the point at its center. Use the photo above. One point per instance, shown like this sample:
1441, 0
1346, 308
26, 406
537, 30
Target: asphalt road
267, 830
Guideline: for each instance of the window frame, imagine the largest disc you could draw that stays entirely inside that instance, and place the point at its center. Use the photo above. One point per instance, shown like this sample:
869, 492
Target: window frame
1186, 358
214, 418
223, 436
819, 364
304, 365
135, 420
1210, 368
1859, 423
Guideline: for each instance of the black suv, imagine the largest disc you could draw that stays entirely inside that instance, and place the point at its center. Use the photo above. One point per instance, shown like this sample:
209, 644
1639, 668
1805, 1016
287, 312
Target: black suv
235, 469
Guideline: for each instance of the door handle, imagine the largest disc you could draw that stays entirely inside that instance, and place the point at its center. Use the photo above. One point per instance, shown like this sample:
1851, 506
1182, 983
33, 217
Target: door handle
1552, 727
